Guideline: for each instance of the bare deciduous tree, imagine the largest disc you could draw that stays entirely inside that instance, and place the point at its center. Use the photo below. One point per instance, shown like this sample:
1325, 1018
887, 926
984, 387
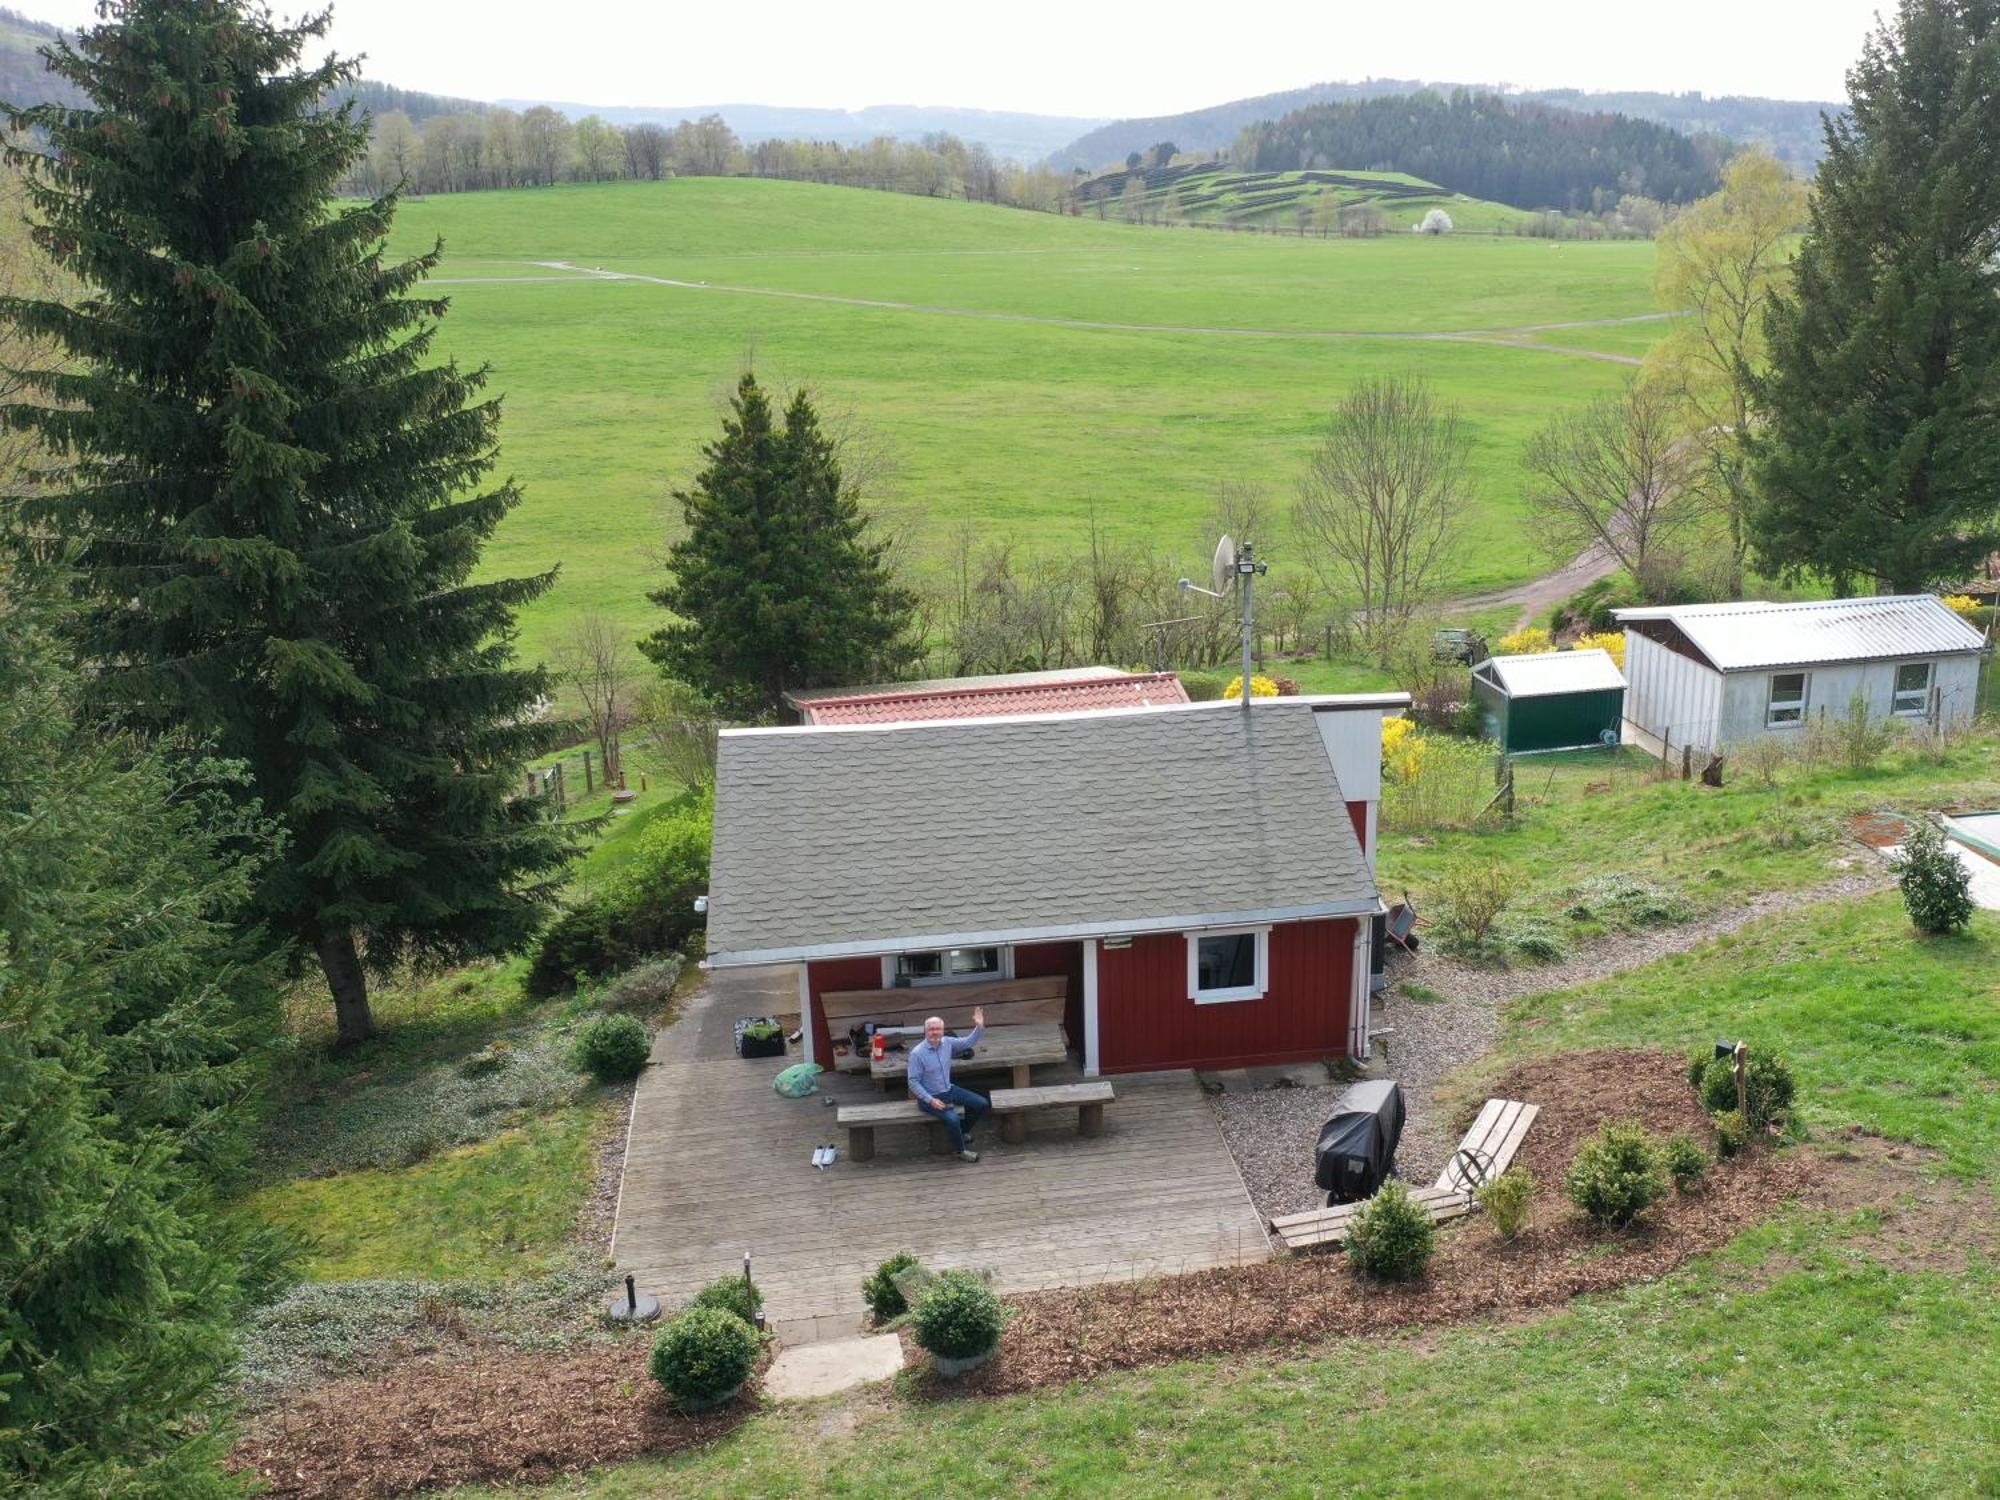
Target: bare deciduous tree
1378, 507
1619, 474
595, 658
680, 728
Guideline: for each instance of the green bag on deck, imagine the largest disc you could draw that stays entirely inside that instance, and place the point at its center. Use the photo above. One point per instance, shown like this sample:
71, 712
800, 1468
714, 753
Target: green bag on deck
796, 1082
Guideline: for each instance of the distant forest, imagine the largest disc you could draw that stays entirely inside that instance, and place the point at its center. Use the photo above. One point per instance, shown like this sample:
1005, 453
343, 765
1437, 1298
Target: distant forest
1531, 156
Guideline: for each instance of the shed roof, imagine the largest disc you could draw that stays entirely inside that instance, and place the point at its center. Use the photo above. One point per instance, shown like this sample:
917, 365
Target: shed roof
1545, 674
1754, 634
801, 697
987, 699
866, 839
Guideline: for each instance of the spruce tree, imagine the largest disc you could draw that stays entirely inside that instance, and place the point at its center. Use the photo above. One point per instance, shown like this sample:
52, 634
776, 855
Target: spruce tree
1878, 457
134, 1015
277, 492
777, 583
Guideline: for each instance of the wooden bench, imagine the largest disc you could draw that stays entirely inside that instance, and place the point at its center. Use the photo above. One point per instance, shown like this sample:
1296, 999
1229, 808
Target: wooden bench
1007, 1002
1329, 1226
1489, 1146
860, 1121
1012, 1106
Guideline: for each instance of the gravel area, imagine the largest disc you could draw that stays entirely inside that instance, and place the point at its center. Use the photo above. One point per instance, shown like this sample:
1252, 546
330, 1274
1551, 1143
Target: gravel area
1271, 1132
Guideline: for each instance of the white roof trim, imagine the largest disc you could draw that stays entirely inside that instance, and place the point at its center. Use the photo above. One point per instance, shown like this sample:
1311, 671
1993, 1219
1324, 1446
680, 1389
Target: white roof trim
1062, 932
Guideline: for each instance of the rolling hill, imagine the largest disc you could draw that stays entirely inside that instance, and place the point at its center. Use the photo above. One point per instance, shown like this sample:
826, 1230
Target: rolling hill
1317, 201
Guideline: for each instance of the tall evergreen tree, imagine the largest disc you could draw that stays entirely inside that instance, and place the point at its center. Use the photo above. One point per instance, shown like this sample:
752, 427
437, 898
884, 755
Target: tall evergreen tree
777, 583
133, 1011
1879, 455
277, 492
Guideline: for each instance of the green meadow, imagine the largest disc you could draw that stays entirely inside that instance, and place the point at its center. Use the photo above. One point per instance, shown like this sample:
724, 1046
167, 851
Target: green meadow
1030, 375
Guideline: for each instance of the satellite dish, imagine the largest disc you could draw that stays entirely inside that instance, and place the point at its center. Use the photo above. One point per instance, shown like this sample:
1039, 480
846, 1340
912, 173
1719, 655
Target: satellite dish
1223, 572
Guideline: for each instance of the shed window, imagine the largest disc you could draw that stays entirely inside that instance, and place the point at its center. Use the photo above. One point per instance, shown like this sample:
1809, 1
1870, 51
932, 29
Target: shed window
1788, 700
1231, 965
946, 966
1913, 688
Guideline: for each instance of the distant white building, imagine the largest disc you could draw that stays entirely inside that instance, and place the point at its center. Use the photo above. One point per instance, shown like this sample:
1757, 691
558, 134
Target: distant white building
1713, 675
1437, 221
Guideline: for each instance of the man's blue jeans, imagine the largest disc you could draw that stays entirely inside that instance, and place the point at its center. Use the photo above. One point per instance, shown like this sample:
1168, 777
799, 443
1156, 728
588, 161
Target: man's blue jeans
974, 1105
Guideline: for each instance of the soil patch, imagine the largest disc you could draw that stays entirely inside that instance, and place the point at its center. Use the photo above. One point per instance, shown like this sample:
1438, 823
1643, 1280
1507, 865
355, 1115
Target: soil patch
1879, 830
488, 1414
1075, 1334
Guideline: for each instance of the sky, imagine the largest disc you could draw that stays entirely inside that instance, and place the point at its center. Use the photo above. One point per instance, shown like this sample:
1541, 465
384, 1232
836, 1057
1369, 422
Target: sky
1076, 58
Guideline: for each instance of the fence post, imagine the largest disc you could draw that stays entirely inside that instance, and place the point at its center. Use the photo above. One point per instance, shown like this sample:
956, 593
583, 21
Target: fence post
1687, 762
562, 791
587, 788
1739, 1068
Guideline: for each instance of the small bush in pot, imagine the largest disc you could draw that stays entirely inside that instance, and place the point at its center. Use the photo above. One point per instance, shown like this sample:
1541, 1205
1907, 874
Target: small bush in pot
613, 1048
1392, 1237
1617, 1174
733, 1295
703, 1356
1509, 1201
958, 1321
884, 1297
1767, 1086
1686, 1162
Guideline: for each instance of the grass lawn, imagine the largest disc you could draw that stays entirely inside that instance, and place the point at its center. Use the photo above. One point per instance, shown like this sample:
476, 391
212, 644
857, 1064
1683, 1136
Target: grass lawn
1800, 1360
504, 1207
1023, 429
1592, 814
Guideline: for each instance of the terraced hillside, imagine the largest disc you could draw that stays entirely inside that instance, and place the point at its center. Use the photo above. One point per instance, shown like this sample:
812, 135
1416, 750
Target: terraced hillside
1312, 202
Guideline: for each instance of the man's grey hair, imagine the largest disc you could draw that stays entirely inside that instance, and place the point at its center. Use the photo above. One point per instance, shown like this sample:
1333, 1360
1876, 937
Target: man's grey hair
929, 1019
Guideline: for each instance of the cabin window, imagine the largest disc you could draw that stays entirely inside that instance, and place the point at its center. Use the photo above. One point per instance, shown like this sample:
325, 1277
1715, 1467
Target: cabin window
946, 966
1787, 703
1228, 965
1913, 688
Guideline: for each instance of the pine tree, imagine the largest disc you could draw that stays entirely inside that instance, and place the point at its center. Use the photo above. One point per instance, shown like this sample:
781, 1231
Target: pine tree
275, 490
134, 1013
1879, 454
777, 583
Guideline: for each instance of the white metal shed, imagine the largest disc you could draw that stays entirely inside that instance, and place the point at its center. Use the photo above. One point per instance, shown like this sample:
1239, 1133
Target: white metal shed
1711, 675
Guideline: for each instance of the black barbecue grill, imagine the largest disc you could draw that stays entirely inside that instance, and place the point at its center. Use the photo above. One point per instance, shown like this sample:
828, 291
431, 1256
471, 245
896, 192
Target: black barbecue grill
1356, 1153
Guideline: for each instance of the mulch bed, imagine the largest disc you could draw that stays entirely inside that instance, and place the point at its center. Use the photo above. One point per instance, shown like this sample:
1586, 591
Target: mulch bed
496, 1415
1075, 1334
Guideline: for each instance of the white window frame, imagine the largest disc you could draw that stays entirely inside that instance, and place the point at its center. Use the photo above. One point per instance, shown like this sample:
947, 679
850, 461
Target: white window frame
1255, 991
1923, 694
1005, 971
1773, 703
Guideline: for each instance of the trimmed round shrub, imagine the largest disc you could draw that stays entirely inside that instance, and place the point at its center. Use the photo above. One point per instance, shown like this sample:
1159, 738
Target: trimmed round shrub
1767, 1084
1509, 1201
702, 1355
884, 1297
1686, 1162
733, 1295
958, 1317
1617, 1174
1936, 887
1392, 1238
1731, 1133
612, 1048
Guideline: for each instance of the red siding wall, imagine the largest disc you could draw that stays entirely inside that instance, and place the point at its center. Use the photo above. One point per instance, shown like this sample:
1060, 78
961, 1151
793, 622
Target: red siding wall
1357, 814
837, 974
1145, 1019
1033, 960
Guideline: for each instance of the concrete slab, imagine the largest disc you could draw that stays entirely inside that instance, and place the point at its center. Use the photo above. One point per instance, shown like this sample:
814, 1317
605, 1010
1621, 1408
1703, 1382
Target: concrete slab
807, 1370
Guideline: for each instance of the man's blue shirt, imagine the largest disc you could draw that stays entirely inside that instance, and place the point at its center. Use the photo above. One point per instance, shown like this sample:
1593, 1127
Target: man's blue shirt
930, 1067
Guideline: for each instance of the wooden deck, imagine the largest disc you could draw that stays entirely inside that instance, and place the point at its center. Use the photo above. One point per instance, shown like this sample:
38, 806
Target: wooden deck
718, 1165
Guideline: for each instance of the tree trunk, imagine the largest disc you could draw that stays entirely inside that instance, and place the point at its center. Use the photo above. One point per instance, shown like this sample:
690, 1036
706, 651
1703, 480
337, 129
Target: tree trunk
337, 956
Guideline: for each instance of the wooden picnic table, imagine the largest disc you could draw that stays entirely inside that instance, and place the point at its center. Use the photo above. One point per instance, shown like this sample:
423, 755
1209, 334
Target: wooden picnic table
1013, 1049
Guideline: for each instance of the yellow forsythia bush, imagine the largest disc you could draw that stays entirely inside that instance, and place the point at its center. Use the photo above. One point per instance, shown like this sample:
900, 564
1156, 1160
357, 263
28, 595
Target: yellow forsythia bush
1402, 750
1529, 642
1260, 687
1963, 605
1611, 641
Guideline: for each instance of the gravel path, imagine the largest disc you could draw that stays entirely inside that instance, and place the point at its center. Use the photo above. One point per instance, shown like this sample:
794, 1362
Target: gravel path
1271, 1132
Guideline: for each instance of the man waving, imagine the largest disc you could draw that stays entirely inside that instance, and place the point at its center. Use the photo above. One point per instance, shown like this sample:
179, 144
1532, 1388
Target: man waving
930, 1080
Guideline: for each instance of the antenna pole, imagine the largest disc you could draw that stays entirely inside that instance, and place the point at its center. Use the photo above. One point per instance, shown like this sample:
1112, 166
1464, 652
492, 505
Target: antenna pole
1246, 572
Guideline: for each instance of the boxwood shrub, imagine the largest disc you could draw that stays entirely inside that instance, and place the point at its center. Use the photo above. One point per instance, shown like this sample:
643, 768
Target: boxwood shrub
1685, 1160
958, 1316
884, 1297
1767, 1085
1617, 1174
733, 1295
703, 1354
612, 1048
1392, 1238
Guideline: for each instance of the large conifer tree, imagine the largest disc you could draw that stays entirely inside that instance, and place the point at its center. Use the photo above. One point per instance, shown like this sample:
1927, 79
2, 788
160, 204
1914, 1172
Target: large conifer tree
777, 583
277, 492
1879, 455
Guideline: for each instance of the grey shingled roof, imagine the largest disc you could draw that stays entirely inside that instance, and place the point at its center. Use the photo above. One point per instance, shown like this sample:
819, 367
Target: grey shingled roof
871, 840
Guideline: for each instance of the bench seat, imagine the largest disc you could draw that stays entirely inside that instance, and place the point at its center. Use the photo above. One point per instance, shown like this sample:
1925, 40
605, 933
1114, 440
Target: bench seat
1089, 1099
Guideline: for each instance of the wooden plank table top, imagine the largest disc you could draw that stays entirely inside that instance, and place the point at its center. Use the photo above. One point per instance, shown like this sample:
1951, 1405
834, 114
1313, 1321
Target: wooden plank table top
1000, 1048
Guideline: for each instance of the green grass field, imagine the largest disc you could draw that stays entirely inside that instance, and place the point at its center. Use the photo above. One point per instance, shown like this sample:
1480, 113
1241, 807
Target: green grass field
1002, 409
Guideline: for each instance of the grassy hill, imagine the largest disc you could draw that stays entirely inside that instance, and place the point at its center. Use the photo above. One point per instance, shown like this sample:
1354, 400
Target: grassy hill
1030, 373
1309, 201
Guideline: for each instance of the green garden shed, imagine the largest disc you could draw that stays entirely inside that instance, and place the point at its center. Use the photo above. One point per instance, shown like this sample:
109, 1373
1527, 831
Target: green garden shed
1552, 700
